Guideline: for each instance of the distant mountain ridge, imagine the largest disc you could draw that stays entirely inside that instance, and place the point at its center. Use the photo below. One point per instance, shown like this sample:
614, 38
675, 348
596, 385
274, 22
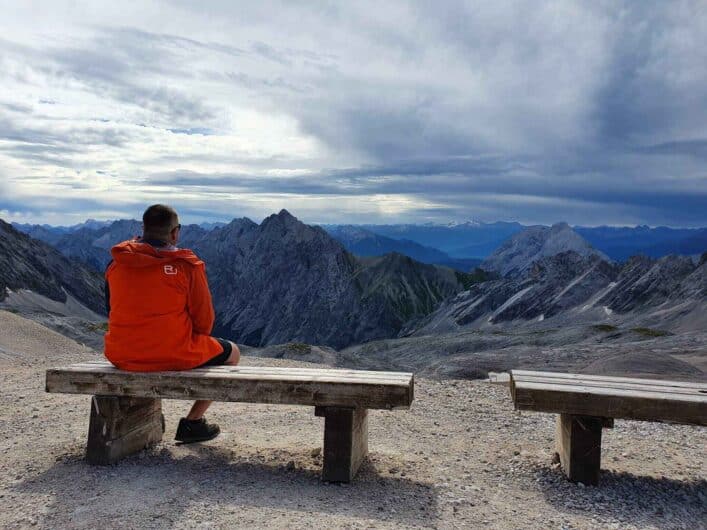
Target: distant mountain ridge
91, 244
555, 273
365, 243
30, 264
466, 243
668, 293
458, 240
520, 252
620, 243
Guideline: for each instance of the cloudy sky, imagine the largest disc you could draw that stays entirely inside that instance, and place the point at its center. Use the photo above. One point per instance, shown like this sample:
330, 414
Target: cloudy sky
354, 112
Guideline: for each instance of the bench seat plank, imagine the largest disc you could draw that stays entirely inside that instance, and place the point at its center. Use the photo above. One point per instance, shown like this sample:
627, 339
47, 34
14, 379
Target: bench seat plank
276, 369
618, 385
586, 398
244, 384
520, 374
244, 371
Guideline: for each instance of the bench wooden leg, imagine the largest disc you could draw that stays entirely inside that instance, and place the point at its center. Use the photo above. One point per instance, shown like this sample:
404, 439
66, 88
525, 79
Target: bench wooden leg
579, 446
345, 441
120, 426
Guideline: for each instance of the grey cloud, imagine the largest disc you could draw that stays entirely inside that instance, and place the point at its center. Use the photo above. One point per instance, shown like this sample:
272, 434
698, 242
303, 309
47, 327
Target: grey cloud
268, 52
562, 110
657, 73
261, 83
696, 148
112, 67
193, 130
456, 182
142, 39
116, 81
57, 147
16, 107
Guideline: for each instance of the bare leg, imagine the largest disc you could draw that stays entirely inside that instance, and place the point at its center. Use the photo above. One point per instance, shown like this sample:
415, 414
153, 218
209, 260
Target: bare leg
200, 406
198, 409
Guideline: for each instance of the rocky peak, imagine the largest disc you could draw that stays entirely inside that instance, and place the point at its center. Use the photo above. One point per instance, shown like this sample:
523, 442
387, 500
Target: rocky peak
284, 280
562, 226
282, 219
645, 282
237, 227
517, 255
285, 228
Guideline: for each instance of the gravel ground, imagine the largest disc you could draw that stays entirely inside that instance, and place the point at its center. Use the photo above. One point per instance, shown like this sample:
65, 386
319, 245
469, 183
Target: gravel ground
459, 458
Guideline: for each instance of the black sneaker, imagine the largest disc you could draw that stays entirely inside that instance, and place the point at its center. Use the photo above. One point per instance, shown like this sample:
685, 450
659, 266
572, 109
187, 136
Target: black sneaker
196, 431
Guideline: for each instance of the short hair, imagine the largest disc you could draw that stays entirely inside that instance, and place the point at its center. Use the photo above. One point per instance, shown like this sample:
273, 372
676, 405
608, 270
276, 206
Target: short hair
158, 220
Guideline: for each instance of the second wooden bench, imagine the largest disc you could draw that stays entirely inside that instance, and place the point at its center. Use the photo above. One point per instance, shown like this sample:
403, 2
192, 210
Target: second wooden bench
588, 403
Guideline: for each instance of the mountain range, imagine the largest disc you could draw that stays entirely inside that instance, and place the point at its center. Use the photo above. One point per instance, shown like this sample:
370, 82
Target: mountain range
91, 244
669, 293
278, 281
459, 240
458, 245
285, 281
366, 243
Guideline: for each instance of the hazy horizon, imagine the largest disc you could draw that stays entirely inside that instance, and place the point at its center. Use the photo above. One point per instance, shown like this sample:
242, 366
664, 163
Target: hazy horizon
440, 223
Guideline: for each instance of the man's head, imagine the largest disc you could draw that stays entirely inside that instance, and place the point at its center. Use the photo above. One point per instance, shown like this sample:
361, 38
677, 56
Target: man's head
161, 222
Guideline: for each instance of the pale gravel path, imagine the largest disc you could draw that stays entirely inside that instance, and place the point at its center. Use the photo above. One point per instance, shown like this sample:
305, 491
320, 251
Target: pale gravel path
460, 458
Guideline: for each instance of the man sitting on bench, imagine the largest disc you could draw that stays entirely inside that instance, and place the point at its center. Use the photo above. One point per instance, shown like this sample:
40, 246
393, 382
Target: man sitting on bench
160, 313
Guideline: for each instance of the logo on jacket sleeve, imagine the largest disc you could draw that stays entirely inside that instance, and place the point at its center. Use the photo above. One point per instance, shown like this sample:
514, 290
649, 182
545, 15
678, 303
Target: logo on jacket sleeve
170, 269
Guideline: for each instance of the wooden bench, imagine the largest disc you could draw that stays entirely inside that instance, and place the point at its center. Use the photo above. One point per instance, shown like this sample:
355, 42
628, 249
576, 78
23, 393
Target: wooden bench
126, 410
588, 403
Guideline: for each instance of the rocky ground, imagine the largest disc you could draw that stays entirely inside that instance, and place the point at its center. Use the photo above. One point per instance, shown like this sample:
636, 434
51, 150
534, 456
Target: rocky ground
460, 457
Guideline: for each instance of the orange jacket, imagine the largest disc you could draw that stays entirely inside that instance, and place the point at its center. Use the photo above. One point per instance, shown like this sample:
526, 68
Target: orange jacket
160, 311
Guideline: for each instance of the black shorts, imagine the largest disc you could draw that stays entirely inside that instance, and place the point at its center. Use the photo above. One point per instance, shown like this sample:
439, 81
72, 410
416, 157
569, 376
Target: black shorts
222, 357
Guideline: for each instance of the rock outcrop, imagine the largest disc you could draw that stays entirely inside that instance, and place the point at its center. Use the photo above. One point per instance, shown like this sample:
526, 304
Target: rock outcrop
516, 256
553, 285
29, 264
284, 281
646, 282
669, 293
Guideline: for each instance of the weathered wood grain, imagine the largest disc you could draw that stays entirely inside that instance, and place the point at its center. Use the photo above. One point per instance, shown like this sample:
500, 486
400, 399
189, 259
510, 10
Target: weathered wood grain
645, 387
579, 446
282, 386
345, 442
243, 371
613, 399
519, 374
120, 426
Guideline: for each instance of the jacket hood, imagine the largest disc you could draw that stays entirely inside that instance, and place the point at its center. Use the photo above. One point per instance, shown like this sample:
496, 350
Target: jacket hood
135, 253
